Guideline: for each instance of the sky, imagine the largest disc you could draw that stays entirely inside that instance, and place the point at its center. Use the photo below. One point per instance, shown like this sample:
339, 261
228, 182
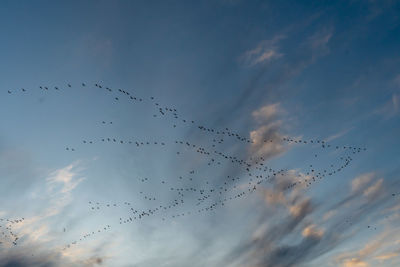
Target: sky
200, 133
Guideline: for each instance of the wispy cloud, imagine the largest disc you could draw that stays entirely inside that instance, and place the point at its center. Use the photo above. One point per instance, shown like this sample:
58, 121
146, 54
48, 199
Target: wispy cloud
264, 52
390, 108
266, 246
373, 191
378, 249
267, 139
338, 135
313, 231
359, 182
36, 233
320, 39
300, 219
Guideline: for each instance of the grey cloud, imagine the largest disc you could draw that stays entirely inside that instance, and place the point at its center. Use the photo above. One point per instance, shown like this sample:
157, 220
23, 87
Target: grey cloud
31, 256
27, 257
269, 248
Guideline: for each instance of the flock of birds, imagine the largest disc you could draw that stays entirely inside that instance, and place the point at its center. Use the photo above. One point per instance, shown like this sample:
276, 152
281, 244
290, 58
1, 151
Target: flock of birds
6, 228
192, 195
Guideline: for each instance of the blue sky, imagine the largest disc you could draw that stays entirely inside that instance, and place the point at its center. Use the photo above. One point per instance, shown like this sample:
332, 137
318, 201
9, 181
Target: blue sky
272, 72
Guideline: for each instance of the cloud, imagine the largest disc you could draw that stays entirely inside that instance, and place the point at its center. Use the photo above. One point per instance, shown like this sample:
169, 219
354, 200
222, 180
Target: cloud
374, 190
263, 148
300, 209
390, 108
28, 259
318, 43
264, 52
306, 231
338, 135
87, 256
379, 248
266, 246
266, 82
60, 197
279, 196
94, 261
354, 262
55, 195
329, 215
313, 231
64, 176
266, 113
364, 190
361, 181
35, 255
36, 233
273, 197
266, 139
320, 39
377, 8
387, 256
